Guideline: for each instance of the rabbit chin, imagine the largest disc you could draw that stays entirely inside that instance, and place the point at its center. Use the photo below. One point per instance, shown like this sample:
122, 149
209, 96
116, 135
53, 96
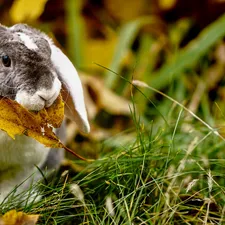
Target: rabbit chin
41, 98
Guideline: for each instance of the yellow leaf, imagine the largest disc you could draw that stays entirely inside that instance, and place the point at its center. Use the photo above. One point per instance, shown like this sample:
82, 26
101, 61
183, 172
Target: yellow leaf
16, 120
18, 218
26, 10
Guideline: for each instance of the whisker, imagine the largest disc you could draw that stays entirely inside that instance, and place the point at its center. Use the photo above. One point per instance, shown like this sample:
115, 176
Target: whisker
5, 85
9, 95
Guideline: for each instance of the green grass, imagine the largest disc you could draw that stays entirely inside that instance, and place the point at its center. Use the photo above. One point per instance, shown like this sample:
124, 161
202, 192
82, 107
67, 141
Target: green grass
165, 175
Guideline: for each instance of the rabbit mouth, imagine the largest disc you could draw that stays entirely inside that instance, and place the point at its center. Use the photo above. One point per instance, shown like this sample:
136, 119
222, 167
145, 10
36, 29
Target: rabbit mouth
41, 98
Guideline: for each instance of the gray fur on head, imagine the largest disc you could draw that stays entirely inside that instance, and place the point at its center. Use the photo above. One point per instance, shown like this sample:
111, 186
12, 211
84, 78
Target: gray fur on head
31, 78
31, 69
37, 70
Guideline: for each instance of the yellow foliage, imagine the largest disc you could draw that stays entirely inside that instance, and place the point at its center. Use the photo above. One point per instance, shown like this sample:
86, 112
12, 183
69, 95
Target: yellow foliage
26, 10
16, 120
18, 218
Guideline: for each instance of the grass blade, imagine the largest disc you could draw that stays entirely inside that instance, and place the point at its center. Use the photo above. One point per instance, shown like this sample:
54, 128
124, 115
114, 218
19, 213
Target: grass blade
127, 35
190, 55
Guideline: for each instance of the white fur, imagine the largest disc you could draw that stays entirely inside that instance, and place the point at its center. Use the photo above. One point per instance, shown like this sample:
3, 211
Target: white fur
30, 102
50, 95
27, 41
74, 86
17, 160
41, 98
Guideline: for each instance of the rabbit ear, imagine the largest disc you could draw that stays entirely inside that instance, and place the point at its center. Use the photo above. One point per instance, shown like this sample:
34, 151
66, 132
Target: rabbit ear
72, 89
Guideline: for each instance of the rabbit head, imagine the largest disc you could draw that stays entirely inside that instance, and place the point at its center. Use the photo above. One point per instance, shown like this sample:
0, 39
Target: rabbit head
33, 71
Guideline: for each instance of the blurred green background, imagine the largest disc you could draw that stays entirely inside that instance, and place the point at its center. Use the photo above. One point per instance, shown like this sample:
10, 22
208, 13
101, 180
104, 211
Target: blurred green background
176, 46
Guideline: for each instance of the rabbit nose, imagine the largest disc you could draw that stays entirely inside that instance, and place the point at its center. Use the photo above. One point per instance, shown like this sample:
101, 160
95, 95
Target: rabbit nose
50, 95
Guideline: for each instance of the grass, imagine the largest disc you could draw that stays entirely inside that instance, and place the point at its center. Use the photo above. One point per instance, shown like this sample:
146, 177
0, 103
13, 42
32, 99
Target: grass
168, 174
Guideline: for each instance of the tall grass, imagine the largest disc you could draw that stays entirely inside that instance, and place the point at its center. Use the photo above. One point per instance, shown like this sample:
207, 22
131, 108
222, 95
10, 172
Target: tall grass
170, 173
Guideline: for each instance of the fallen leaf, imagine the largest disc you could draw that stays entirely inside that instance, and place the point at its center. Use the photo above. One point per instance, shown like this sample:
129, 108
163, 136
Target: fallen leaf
105, 98
16, 120
18, 218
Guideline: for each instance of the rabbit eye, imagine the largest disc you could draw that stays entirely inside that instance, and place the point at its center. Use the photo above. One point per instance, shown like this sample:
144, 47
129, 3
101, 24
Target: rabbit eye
6, 60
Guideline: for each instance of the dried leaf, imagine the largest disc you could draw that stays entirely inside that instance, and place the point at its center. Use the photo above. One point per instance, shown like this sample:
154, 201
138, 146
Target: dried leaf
16, 120
105, 98
18, 218
26, 10
55, 113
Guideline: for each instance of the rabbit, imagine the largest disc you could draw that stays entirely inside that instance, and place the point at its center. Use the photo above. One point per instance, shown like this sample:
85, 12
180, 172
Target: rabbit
33, 71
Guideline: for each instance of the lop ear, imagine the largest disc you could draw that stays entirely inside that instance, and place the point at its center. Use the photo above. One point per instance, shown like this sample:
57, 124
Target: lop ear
72, 89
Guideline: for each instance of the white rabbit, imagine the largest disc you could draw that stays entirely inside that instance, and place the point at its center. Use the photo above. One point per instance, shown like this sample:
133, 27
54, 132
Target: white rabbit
33, 71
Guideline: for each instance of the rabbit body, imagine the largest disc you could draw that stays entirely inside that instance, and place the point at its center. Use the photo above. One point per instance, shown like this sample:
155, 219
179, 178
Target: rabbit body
17, 162
33, 71
23, 151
